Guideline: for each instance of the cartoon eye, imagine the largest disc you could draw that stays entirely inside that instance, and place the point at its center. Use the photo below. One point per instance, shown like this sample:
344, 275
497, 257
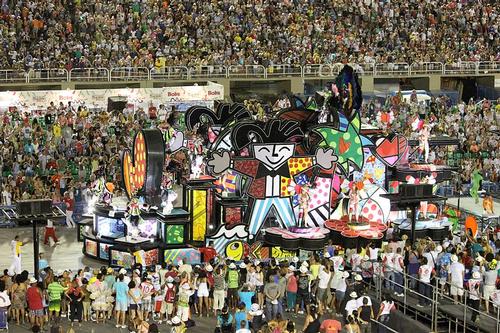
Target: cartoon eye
264, 149
284, 148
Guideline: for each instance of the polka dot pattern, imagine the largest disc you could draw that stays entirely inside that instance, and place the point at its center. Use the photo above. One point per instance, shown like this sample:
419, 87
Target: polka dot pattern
135, 171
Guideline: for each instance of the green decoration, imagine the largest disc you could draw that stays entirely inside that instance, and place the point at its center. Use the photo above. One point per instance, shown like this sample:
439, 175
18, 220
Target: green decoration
175, 234
475, 181
346, 144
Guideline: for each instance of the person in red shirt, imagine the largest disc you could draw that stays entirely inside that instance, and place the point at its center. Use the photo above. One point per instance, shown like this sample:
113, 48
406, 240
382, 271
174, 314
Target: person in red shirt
208, 252
35, 304
70, 207
330, 325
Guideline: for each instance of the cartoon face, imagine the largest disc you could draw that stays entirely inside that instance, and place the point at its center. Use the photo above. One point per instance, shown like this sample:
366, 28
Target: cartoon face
273, 155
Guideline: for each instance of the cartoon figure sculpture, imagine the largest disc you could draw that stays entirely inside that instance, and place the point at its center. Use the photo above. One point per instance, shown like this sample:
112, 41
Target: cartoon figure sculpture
197, 166
423, 141
354, 203
476, 184
98, 187
168, 204
424, 204
304, 198
107, 194
271, 165
134, 211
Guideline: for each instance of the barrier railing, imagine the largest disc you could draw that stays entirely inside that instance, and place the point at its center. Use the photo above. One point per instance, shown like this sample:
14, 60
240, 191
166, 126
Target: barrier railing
284, 71
393, 69
461, 68
207, 72
169, 73
245, 71
129, 74
408, 287
13, 76
48, 75
89, 74
427, 68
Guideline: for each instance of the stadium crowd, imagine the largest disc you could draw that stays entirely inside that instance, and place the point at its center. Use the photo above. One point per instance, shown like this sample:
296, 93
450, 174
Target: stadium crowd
331, 289
469, 122
158, 33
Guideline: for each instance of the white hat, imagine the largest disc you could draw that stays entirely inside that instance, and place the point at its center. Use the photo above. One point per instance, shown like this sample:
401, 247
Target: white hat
136, 271
305, 264
256, 262
439, 249
186, 286
33, 280
170, 279
358, 277
176, 320
353, 295
180, 263
327, 255
303, 269
197, 266
243, 265
59, 272
209, 268
232, 266
345, 275
446, 244
454, 258
122, 271
255, 310
291, 268
476, 275
295, 259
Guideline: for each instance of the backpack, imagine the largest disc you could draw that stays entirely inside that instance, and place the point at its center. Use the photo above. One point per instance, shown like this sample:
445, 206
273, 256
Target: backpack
170, 295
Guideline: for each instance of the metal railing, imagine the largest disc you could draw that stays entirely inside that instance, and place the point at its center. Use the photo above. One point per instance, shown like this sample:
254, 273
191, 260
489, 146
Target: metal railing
284, 71
208, 72
89, 74
246, 71
48, 75
170, 73
129, 74
436, 299
13, 76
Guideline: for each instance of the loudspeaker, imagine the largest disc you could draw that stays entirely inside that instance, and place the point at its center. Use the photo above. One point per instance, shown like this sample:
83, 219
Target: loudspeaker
34, 207
116, 103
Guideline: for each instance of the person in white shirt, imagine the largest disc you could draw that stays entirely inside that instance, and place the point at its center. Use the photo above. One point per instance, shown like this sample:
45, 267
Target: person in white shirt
324, 276
356, 261
6, 196
474, 287
388, 262
425, 273
490, 277
398, 272
15, 246
457, 275
352, 304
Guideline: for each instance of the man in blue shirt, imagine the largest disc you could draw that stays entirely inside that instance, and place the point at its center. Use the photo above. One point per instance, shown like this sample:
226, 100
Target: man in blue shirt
121, 291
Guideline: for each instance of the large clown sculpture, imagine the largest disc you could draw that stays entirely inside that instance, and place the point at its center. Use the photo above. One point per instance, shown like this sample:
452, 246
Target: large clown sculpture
272, 164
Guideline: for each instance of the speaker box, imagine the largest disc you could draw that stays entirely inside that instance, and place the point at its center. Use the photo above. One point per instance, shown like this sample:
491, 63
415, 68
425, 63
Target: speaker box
34, 207
116, 103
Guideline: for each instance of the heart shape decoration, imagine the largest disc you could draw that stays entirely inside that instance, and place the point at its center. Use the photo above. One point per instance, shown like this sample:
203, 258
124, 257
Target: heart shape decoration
390, 149
343, 146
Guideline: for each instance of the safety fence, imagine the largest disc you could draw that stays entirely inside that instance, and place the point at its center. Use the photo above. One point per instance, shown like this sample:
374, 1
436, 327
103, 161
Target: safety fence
438, 308
206, 72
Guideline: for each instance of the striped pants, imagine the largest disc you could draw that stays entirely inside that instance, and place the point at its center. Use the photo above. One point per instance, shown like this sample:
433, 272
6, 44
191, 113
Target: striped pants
261, 208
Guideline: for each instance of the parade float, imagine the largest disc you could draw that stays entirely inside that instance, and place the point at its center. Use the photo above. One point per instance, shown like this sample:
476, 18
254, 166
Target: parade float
261, 186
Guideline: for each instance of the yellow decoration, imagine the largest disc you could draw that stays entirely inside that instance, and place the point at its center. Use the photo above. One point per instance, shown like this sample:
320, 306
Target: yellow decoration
199, 215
